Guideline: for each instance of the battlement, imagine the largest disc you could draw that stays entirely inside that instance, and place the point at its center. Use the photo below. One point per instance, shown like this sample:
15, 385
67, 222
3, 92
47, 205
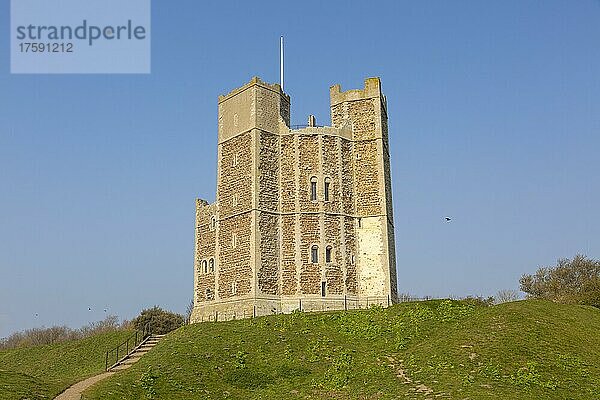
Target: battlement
372, 89
255, 81
343, 132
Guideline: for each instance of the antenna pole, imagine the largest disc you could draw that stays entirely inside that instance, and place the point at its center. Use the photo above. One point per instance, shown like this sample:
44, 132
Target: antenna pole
281, 62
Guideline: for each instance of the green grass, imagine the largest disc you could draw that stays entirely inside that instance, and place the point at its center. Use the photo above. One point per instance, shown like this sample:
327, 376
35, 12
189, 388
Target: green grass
522, 350
42, 372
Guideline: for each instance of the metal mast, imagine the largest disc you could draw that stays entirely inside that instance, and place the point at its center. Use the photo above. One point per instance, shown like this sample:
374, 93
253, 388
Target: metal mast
281, 62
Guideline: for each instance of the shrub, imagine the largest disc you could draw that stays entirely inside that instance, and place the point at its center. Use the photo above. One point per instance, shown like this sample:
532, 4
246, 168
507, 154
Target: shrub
506, 296
161, 321
479, 301
575, 281
59, 334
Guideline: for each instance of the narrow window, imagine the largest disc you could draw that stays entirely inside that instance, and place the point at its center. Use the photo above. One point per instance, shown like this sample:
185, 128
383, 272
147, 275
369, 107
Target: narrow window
235, 159
204, 267
327, 184
359, 222
328, 254
314, 254
313, 188
208, 294
352, 259
234, 288
235, 200
211, 265
233, 240
213, 223
322, 289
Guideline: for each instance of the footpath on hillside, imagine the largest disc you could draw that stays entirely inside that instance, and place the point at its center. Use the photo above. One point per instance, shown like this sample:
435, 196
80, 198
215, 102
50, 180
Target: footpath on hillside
75, 391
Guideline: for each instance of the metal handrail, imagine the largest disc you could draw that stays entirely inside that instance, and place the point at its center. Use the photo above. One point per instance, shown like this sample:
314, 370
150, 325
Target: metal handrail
302, 126
129, 345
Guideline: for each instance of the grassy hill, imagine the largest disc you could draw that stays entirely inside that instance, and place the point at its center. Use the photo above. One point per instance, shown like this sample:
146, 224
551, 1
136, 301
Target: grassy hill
428, 350
42, 372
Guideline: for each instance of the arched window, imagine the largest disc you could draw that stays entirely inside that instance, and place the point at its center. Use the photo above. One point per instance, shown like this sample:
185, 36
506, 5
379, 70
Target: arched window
213, 223
204, 266
327, 185
234, 288
233, 240
313, 188
211, 265
314, 254
328, 254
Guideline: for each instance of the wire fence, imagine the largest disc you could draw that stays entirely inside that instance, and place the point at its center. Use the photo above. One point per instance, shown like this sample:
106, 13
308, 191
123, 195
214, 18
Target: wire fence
232, 309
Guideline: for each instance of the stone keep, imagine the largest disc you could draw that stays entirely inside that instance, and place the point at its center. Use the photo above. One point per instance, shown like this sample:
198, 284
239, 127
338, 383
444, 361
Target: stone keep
303, 218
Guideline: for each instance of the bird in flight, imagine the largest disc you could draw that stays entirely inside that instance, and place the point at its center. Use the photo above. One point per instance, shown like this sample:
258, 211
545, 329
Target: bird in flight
448, 219
89, 308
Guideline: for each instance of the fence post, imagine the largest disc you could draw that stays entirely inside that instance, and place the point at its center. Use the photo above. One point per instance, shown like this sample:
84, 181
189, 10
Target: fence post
254, 311
345, 303
216, 316
388, 298
300, 303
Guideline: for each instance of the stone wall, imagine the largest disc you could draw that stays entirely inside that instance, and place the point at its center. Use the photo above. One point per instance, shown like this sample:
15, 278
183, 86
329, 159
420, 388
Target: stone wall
235, 272
347, 178
268, 272
235, 176
289, 279
268, 167
288, 173
205, 251
309, 167
350, 256
333, 270
367, 178
331, 171
310, 274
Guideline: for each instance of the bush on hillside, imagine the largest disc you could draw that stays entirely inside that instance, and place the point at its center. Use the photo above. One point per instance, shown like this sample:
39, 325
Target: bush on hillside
479, 301
506, 296
188, 311
59, 334
161, 321
575, 281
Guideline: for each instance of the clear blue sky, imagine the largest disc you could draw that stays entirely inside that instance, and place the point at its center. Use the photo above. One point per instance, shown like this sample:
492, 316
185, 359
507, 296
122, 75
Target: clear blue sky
494, 120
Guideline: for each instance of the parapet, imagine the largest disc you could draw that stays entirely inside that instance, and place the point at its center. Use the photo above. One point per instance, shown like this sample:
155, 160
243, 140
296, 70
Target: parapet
255, 81
344, 132
203, 204
372, 89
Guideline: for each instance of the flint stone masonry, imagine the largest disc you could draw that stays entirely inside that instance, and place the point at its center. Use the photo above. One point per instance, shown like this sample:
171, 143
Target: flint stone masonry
258, 236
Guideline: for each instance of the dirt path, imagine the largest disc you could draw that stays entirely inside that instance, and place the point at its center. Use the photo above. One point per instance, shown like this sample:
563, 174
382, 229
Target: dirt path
75, 391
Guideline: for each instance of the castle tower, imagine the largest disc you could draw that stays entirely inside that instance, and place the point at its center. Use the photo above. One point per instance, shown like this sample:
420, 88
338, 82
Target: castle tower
302, 217
365, 111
